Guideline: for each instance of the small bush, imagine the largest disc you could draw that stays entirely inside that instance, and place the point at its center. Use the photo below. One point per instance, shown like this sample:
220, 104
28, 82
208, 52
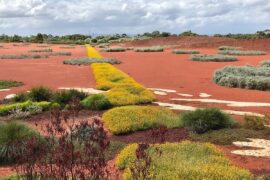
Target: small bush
40, 93
149, 49
7, 84
265, 63
256, 123
244, 53
23, 56
11, 133
21, 97
128, 119
203, 120
64, 97
41, 50
96, 102
212, 58
185, 51
67, 47
88, 61
60, 54
116, 49
221, 48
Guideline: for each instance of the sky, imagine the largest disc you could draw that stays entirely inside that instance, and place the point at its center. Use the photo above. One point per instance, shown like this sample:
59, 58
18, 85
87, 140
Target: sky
59, 17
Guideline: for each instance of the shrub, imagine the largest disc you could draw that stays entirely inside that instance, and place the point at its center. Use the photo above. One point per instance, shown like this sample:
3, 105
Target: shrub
115, 49
128, 119
114, 148
66, 96
241, 52
265, 63
11, 133
87, 61
60, 54
21, 97
41, 50
7, 84
149, 49
185, 51
96, 102
40, 93
247, 77
221, 48
213, 58
123, 89
185, 160
203, 120
23, 56
256, 123
67, 47
9, 108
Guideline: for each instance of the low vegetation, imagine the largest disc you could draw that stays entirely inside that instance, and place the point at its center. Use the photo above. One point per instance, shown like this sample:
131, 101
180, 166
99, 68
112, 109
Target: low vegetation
60, 54
185, 51
185, 160
222, 48
203, 120
64, 97
123, 89
242, 52
265, 63
41, 50
246, 77
114, 49
67, 47
213, 58
149, 49
23, 56
127, 119
88, 61
8, 84
96, 102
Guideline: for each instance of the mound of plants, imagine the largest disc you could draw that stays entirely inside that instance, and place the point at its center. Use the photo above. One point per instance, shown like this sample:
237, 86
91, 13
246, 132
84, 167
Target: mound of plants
242, 52
203, 120
123, 89
23, 56
64, 97
265, 63
60, 54
41, 50
127, 119
149, 49
11, 133
115, 49
88, 61
213, 58
221, 48
185, 51
43, 46
185, 160
7, 84
96, 102
246, 77
67, 47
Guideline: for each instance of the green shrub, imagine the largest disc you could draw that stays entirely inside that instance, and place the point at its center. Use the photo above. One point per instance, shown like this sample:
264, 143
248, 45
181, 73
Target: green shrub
114, 148
7, 109
185, 51
149, 49
7, 84
256, 123
221, 48
128, 119
185, 160
203, 120
60, 54
67, 47
22, 97
88, 61
23, 56
242, 52
265, 63
247, 77
40, 93
228, 136
65, 96
116, 49
96, 102
41, 50
212, 58
10, 133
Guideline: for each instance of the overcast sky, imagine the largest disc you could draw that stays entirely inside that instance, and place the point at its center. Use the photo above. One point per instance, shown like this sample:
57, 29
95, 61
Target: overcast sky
26, 17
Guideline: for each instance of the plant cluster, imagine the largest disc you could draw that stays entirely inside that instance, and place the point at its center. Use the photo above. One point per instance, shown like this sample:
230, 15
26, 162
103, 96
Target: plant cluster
96, 102
127, 119
149, 49
114, 49
222, 48
265, 63
242, 52
41, 50
8, 84
213, 58
246, 77
88, 61
185, 51
23, 56
60, 54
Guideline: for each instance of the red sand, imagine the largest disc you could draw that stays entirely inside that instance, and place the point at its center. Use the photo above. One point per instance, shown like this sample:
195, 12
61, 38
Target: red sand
49, 72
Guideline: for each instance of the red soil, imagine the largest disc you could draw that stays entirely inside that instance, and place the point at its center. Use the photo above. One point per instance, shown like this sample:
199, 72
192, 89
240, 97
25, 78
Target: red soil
49, 72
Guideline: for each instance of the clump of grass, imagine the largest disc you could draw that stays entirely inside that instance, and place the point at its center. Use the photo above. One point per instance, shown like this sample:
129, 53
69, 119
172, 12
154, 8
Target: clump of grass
105, 45
96, 102
221, 48
129, 119
88, 61
185, 51
40, 93
67, 47
242, 52
43, 46
115, 49
23, 56
60, 54
246, 77
212, 58
41, 50
185, 160
265, 63
149, 49
7, 84
64, 97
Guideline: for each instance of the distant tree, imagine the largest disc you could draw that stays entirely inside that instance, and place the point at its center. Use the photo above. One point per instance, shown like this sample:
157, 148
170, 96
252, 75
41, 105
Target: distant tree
39, 38
188, 33
165, 34
155, 34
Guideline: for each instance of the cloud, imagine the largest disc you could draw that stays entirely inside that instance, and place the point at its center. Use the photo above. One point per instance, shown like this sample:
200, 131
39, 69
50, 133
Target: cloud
133, 16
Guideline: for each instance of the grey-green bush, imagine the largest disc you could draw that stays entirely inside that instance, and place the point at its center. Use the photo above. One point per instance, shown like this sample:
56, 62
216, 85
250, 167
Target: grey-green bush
185, 51
115, 49
242, 52
228, 48
265, 63
96, 102
41, 93
88, 61
149, 49
212, 58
